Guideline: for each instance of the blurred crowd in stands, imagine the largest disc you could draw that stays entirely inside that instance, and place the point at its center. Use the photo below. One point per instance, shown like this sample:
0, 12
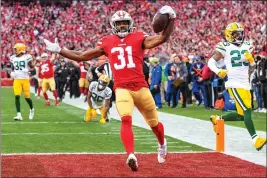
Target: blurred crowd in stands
198, 27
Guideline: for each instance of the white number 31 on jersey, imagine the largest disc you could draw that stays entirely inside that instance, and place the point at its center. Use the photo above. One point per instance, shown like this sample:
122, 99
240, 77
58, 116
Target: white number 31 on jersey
122, 59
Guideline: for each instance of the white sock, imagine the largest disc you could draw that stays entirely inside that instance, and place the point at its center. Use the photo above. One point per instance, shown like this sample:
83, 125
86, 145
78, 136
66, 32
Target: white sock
19, 114
254, 139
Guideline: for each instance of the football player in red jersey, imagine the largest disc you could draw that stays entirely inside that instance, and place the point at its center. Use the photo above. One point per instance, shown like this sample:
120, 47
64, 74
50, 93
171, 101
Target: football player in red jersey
47, 72
125, 50
83, 82
39, 76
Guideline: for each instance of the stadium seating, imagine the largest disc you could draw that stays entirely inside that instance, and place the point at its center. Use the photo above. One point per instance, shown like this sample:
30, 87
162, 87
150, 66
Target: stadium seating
198, 27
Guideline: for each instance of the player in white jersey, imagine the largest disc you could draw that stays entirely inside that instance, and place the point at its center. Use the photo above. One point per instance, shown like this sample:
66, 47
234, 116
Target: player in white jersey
21, 63
99, 95
238, 59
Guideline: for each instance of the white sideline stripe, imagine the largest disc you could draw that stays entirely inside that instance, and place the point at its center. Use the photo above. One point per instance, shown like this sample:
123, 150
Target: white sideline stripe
87, 133
97, 153
19, 122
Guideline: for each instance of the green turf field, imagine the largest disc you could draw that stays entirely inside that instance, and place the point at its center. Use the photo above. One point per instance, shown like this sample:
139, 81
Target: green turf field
61, 129
194, 111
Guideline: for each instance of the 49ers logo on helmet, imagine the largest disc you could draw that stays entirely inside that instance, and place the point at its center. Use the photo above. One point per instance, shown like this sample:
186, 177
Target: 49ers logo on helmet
121, 14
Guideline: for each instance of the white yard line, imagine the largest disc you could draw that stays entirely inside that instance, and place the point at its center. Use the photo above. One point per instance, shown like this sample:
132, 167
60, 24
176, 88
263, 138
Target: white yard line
172, 146
21, 122
155, 142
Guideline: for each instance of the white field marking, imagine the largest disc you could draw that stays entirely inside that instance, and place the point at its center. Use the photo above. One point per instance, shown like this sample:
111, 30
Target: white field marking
144, 136
86, 133
134, 130
53, 133
151, 143
147, 139
97, 153
63, 122
172, 146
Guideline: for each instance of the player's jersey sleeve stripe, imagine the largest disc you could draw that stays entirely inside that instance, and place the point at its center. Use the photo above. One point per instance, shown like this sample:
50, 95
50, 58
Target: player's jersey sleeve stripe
221, 49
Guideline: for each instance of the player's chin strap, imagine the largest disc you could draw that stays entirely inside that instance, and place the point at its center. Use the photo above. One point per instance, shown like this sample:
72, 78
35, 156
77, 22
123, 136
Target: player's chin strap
212, 65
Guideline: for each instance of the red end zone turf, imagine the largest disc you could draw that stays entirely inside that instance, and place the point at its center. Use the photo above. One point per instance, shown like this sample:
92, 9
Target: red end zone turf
99, 165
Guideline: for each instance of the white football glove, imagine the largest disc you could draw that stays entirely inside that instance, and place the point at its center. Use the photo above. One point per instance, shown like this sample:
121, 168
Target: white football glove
52, 47
168, 10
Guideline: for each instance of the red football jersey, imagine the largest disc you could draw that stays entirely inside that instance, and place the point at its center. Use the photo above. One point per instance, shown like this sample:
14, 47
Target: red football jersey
126, 59
83, 71
46, 69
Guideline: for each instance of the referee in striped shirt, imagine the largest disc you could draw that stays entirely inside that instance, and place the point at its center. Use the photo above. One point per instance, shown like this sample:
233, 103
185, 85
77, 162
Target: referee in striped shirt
106, 69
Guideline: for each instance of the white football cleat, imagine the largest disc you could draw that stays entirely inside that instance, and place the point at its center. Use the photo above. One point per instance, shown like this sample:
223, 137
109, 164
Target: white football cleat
18, 118
162, 152
31, 114
132, 162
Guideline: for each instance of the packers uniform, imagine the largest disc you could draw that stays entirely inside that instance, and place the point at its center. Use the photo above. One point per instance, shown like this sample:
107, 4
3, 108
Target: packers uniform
238, 77
98, 101
21, 74
99, 96
237, 57
20, 65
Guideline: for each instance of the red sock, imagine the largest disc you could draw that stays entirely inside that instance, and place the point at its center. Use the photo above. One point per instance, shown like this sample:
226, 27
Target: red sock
45, 97
158, 130
55, 94
85, 91
81, 90
127, 136
39, 90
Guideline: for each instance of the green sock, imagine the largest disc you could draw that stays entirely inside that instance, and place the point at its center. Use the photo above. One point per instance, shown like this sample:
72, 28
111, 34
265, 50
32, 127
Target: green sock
29, 101
249, 123
17, 103
232, 116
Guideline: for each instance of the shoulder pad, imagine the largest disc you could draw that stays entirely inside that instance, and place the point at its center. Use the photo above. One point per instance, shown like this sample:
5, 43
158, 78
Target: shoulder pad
12, 57
221, 46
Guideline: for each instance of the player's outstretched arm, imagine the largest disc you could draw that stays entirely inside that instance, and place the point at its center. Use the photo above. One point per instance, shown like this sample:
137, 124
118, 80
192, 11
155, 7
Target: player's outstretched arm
83, 56
154, 41
212, 64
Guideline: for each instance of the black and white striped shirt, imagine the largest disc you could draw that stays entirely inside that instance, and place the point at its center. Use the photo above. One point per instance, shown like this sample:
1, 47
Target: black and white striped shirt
106, 68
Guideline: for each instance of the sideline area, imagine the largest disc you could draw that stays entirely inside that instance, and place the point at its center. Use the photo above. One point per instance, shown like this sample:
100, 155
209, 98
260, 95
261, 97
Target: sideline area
237, 140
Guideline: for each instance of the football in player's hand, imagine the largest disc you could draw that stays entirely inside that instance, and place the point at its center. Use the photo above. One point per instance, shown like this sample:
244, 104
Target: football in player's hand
160, 22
